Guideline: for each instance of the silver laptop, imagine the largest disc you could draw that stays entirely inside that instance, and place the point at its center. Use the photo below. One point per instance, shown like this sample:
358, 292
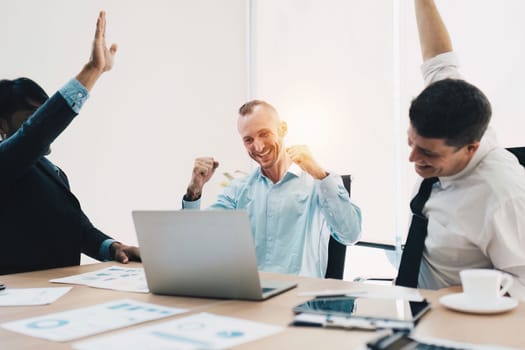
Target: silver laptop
202, 254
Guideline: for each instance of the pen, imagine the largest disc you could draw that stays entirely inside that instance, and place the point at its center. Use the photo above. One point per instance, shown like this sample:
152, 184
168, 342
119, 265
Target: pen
333, 293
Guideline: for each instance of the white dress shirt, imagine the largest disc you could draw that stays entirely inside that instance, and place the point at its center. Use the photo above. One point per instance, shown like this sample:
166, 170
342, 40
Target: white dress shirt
477, 216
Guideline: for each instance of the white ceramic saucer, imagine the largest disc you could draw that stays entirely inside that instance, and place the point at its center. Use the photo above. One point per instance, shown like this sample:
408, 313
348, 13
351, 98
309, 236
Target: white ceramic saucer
460, 302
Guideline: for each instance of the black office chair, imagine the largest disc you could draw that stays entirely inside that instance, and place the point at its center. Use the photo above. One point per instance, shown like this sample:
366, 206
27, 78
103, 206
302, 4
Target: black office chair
519, 152
336, 250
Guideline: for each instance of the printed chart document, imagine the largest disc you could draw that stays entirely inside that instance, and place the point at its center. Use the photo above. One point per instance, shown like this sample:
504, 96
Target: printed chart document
77, 323
200, 331
31, 296
131, 279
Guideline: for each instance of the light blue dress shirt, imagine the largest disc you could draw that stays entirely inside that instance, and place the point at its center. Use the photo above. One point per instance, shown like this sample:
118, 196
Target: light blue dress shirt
76, 95
292, 220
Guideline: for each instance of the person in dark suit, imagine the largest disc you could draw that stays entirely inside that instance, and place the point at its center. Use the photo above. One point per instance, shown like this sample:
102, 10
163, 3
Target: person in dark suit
41, 222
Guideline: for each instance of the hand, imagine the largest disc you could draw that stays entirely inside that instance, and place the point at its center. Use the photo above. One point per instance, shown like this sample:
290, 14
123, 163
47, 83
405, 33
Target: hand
203, 170
124, 253
300, 155
101, 59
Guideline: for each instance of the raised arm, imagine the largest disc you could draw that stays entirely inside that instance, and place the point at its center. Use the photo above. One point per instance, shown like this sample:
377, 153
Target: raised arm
102, 57
433, 35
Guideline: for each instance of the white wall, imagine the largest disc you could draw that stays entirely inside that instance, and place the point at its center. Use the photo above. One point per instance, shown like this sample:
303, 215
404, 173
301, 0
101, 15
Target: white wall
341, 72
178, 80
327, 66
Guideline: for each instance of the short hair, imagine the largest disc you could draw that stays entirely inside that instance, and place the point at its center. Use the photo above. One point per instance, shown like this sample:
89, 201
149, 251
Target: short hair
19, 94
249, 106
453, 110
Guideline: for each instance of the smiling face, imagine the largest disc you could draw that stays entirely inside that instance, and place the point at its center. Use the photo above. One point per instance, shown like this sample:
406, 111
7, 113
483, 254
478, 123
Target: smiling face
432, 157
262, 133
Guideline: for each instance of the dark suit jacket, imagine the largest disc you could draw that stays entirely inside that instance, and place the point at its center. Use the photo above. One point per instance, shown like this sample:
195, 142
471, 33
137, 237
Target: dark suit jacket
41, 223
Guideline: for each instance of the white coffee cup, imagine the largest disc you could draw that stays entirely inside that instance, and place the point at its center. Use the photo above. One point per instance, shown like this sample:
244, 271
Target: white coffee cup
484, 285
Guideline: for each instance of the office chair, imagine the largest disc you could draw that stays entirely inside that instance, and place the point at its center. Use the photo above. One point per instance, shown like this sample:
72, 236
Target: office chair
337, 251
519, 152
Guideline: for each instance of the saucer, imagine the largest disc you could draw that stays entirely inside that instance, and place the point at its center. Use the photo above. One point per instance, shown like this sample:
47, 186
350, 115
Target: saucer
460, 302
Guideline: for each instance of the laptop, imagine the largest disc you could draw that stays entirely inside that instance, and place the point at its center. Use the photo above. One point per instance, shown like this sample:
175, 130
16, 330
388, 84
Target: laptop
208, 253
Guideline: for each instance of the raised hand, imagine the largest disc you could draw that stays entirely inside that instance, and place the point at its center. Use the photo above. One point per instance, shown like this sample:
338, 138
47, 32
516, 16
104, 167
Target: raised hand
203, 170
101, 59
300, 154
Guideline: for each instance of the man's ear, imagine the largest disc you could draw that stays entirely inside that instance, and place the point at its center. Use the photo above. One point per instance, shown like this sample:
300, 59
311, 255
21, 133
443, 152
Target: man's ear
472, 148
283, 129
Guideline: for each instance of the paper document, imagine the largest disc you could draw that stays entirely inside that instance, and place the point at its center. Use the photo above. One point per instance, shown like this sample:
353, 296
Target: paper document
369, 291
131, 279
201, 331
305, 319
460, 345
331, 321
77, 323
31, 296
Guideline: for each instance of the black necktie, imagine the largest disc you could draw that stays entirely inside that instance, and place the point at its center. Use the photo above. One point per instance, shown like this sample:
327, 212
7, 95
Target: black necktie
411, 259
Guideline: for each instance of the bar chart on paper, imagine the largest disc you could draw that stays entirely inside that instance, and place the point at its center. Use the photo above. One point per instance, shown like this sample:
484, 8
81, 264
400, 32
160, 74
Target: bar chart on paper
73, 324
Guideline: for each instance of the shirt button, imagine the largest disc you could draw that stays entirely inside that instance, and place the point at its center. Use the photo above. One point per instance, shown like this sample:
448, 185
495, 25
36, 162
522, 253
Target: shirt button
80, 95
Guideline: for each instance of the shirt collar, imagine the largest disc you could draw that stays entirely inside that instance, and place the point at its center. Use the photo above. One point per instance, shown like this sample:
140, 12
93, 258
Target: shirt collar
293, 170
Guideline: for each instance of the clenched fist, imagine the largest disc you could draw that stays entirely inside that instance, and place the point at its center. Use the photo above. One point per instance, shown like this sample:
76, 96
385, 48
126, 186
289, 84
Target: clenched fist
300, 155
203, 170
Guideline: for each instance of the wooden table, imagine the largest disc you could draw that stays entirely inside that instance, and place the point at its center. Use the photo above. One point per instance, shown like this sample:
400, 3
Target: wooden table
501, 329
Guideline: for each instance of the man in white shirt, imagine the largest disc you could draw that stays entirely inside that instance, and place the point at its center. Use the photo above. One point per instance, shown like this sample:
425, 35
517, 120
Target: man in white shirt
476, 211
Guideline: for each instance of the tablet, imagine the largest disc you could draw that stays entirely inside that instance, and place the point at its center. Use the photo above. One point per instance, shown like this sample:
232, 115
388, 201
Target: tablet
366, 308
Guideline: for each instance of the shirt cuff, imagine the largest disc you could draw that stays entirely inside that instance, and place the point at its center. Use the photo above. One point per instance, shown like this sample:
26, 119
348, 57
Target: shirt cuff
191, 204
75, 94
104, 251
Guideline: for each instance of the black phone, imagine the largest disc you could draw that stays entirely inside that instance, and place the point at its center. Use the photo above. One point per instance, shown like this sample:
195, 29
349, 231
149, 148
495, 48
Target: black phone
402, 341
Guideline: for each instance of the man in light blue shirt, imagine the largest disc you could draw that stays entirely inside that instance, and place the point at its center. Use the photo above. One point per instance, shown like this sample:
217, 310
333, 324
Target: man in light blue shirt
293, 203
